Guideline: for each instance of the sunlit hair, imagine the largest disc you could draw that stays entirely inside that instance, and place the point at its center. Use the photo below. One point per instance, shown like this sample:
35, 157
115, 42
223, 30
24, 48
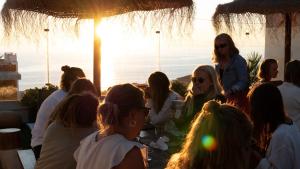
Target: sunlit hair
292, 72
266, 111
233, 50
77, 110
119, 101
210, 71
219, 138
69, 76
82, 85
159, 89
264, 69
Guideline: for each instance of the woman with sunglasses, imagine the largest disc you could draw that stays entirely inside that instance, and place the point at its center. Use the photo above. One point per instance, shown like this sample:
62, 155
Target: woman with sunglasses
121, 118
204, 87
231, 69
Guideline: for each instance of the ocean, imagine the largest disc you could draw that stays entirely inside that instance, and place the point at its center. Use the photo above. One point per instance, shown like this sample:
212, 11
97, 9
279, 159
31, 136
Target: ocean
125, 71
130, 69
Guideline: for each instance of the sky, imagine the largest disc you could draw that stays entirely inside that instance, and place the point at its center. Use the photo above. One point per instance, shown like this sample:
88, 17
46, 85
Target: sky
123, 47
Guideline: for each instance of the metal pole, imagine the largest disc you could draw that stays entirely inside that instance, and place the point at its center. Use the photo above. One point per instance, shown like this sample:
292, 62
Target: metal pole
47, 54
158, 56
97, 57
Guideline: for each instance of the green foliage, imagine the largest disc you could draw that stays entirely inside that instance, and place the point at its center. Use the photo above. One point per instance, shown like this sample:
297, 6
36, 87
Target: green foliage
179, 87
33, 98
253, 65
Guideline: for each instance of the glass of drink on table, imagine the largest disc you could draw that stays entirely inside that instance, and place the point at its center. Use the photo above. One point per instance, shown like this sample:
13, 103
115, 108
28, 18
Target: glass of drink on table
177, 106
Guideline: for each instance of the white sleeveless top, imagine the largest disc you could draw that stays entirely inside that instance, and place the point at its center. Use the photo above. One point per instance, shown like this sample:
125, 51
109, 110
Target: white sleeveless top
104, 153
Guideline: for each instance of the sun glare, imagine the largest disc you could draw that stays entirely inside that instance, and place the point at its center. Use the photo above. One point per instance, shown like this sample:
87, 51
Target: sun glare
118, 41
109, 36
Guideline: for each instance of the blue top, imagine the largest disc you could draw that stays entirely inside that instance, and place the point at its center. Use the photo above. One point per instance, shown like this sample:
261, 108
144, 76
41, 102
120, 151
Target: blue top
235, 75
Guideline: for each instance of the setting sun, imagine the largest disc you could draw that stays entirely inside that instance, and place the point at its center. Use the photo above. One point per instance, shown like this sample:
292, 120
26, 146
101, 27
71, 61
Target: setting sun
118, 41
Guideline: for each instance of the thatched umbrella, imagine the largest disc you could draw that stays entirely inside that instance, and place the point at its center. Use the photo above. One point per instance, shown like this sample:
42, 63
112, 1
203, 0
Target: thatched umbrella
250, 11
17, 13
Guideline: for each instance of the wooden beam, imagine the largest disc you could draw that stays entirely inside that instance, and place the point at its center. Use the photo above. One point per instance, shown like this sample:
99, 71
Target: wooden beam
97, 57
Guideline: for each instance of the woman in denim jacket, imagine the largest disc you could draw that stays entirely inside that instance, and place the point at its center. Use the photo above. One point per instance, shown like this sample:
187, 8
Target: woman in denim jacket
232, 70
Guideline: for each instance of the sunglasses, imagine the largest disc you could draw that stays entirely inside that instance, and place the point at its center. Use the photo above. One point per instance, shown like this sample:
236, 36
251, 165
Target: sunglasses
221, 46
197, 79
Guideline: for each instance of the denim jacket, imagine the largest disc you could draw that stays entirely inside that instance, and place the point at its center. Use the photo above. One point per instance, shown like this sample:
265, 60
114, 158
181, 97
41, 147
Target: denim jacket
235, 75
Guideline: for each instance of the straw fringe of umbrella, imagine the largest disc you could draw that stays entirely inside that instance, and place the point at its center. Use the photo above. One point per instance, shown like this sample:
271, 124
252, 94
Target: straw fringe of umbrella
251, 14
30, 17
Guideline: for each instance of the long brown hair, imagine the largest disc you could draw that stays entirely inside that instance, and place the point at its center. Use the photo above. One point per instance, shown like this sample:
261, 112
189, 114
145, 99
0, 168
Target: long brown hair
292, 72
264, 69
219, 137
159, 89
82, 85
77, 110
233, 50
266, 111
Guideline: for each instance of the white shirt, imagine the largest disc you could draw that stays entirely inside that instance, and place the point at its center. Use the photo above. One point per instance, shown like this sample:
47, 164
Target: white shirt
104, 153
166, 112
43, 115
60, 142
291, 100
284, 149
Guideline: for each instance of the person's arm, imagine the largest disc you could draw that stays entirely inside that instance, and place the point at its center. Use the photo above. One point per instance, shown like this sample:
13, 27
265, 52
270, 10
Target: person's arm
133, 159
165, 113
280, 154
242, 75
282, 159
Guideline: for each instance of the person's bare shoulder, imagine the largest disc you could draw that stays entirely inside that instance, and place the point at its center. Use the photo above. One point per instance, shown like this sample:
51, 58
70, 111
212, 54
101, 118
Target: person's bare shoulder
133, 159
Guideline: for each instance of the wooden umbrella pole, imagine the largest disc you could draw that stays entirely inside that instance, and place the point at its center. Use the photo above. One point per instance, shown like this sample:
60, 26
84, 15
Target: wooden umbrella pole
97, 57
288, 38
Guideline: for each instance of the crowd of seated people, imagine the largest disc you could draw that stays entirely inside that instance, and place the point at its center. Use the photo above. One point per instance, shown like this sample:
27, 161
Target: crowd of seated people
70, 74
224, 122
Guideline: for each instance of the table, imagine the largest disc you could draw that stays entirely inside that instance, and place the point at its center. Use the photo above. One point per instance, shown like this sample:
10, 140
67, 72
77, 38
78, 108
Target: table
158, 159
10, 138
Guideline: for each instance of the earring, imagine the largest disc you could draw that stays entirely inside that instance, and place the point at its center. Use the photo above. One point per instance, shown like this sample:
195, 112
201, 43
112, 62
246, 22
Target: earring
132, 123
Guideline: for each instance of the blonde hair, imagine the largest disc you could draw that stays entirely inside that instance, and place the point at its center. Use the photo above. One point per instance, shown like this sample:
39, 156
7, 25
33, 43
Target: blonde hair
210, 71
233, 50
230, 129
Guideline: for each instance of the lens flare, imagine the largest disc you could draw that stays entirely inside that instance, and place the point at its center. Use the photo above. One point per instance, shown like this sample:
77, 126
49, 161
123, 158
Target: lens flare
209, 143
